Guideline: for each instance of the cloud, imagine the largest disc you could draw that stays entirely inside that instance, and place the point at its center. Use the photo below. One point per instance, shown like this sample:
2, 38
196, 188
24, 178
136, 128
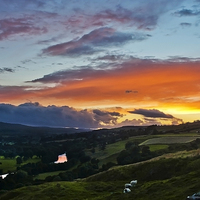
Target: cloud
142, 15
138, 17
35, 114
151, 113
91, 42
187, 12
154, 116
133, 122
165, 83
38, 17
129, 65
80, 73
12, 5
19, 26
111, 58
134, 17
185, 24
131, 91
6, 69
140, 122
106, 117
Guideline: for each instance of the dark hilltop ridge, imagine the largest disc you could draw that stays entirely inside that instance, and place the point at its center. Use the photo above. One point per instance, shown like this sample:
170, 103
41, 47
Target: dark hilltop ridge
25, 129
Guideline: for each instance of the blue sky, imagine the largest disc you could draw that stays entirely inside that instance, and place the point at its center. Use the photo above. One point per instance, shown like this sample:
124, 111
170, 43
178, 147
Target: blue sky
122, 58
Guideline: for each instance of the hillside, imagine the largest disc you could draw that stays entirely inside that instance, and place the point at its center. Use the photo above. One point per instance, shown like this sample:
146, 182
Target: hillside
171, 176
165, 161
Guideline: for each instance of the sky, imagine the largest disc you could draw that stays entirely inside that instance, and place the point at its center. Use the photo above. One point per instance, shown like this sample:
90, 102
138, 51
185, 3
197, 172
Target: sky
99, 64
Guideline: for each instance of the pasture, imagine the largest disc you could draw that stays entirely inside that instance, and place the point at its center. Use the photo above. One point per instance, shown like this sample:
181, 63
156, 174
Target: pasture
10, 164
170, 140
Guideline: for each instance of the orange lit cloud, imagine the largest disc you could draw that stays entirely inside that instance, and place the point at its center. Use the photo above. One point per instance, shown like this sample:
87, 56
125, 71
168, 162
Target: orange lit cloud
154, 83
150, 83
135, 83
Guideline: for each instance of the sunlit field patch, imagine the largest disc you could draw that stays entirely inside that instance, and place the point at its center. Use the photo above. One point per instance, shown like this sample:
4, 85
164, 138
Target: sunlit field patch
169, 140
156, 147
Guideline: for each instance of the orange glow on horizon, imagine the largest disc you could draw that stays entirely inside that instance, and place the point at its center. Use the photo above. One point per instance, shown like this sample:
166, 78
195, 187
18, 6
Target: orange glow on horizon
173, 87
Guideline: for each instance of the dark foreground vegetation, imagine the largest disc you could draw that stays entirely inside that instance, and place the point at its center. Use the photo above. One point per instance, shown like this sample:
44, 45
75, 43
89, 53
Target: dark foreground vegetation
87, 176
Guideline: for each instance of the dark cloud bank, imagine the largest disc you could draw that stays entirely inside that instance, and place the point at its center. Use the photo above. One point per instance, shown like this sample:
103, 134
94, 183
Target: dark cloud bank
34, 114
152, 114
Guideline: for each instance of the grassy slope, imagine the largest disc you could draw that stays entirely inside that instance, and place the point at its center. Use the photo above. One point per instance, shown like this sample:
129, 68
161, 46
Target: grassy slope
161, 178
112, 150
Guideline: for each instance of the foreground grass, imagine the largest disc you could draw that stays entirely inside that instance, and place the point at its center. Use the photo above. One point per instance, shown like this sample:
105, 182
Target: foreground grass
63, 191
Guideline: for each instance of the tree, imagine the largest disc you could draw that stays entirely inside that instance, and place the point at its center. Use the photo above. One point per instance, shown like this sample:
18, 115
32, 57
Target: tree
19, 160
128, 145
146, 151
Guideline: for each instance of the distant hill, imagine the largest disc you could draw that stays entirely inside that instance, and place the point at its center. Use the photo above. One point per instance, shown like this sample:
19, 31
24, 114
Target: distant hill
8, 128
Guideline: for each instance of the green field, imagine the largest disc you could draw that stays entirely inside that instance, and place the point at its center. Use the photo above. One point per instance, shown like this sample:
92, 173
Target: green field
9, 164
170, 140
156, 147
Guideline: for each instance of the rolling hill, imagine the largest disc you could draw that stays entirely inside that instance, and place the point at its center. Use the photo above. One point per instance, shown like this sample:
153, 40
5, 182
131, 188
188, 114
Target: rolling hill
172, 176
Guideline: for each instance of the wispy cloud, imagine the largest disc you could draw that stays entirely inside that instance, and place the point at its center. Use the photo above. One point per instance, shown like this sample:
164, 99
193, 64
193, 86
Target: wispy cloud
20, 26
93, 42
6, 69
185, 24
142, 16
12, 5
187, 12
83, 72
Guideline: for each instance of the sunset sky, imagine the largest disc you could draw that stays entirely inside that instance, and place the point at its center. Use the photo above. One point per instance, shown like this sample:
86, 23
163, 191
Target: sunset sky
94, 64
